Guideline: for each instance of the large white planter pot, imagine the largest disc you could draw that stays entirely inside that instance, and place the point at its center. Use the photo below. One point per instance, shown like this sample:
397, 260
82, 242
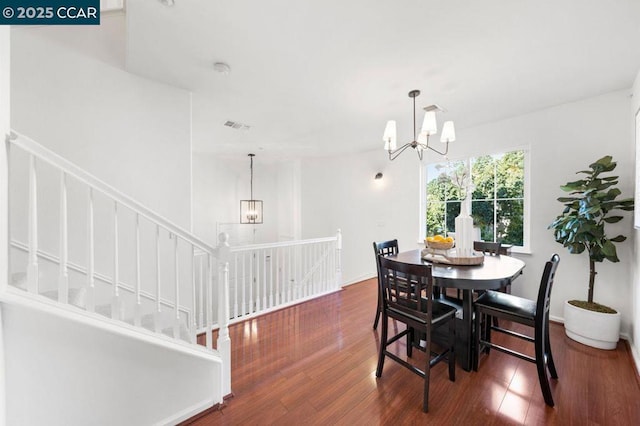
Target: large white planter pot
590, 328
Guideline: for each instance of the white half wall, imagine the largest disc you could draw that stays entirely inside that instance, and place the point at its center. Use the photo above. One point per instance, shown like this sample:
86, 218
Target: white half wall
63, 372
341, 193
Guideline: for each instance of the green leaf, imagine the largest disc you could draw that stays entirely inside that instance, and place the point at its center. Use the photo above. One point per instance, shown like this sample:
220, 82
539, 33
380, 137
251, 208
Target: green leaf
618, 239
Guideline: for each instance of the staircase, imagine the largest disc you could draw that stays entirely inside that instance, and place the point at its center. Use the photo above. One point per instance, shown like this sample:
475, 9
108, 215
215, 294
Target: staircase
88, 257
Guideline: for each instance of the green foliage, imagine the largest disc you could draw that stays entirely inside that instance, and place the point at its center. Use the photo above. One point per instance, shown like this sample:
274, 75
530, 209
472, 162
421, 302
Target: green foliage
498, 188
591, 204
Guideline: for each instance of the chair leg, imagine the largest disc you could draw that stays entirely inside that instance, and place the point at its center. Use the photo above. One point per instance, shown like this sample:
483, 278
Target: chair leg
477, 335
410, 340
383, 345
378, 310
427, 373
547, 345
452, 350
541, 366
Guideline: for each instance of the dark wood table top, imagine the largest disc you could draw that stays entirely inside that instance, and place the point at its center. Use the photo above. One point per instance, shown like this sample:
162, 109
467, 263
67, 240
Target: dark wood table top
494, 272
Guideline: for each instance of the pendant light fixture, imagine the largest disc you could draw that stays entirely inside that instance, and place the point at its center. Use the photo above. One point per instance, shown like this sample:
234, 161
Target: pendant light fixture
251, 210
421, 142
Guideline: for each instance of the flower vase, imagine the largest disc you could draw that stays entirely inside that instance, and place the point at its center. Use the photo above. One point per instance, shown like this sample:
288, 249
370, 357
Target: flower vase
464, 231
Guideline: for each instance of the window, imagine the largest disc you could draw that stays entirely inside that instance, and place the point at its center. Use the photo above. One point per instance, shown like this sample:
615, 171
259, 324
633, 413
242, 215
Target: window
498, 188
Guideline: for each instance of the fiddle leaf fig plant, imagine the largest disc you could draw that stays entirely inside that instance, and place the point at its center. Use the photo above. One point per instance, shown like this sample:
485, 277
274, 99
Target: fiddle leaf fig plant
591, 205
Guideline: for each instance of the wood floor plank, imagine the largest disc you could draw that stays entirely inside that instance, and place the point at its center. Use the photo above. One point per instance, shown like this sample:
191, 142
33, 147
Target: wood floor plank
314, 363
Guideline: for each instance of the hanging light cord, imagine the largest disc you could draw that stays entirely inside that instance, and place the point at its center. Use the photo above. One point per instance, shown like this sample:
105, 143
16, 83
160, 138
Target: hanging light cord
251, 167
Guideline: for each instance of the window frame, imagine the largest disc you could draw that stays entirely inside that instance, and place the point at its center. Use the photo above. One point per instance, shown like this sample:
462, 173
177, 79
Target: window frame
526, 247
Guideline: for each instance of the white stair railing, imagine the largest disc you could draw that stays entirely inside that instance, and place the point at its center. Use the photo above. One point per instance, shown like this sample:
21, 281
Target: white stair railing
266, 277
152, 285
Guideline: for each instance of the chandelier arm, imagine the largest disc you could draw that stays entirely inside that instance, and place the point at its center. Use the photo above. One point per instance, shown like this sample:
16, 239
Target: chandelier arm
427, 146
394, 154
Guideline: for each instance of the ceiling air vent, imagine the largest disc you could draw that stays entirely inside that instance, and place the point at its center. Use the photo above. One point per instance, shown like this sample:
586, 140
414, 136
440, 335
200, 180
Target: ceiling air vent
236, 125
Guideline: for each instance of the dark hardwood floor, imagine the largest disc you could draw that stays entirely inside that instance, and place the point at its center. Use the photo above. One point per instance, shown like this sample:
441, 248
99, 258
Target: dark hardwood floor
315, 363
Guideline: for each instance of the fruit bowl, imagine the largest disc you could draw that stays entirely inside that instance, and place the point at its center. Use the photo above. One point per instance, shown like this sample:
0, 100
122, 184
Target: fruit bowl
439, 243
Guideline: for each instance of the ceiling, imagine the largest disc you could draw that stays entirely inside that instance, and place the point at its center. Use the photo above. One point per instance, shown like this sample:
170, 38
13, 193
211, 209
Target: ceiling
322, 77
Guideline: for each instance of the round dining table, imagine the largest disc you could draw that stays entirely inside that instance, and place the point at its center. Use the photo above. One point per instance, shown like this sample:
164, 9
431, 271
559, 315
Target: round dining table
493, 273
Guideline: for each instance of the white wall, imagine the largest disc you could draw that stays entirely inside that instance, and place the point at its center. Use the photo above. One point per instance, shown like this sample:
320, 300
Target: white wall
562, 140
220, 183
62, 372
5, 115
132, 133
635, 270
340, 192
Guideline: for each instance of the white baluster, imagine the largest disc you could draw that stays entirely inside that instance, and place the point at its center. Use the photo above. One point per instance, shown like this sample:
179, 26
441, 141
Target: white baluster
256, 280
252, 307
91, 266
176, 319
158, 313
264, 279
338, 283
63, 276
278, 286
290, 277
209, 313
236, 289
201, 297
137, 316
271, 278
193, 317
244, 285
32, 265
115, 302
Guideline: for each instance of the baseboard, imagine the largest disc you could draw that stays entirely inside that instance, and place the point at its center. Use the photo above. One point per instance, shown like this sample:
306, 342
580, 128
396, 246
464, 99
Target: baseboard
635, 356
189, 413
359, 279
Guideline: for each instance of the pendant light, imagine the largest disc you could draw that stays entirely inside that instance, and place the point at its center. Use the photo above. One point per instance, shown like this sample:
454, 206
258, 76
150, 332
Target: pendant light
251, 210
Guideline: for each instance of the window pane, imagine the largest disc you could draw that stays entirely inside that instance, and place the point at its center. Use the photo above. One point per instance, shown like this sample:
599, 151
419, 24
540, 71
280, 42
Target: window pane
482, 213
453, 210
510, 175
435, 218
510, 222
482, 173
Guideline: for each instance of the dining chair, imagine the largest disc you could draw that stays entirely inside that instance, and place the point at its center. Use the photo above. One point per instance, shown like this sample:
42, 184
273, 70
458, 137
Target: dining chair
535, 314
415, 306
487, 247
382, 248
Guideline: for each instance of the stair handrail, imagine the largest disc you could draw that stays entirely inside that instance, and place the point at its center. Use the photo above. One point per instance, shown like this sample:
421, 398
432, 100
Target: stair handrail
45, 154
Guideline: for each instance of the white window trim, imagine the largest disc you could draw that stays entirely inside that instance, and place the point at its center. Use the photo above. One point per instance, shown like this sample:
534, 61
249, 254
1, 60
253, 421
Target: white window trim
422, 225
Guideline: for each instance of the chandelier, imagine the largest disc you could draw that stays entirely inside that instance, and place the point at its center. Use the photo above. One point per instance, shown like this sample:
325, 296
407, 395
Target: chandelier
421, 142
251, 210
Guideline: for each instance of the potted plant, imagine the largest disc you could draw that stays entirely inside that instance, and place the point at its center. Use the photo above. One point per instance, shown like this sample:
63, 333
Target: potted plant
593, 203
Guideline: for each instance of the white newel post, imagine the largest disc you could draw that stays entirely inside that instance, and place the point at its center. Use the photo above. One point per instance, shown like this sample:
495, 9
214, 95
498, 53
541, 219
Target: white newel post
339, 259
224, 341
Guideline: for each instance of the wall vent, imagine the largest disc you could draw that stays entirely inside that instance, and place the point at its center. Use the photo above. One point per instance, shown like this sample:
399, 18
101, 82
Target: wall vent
237, 125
